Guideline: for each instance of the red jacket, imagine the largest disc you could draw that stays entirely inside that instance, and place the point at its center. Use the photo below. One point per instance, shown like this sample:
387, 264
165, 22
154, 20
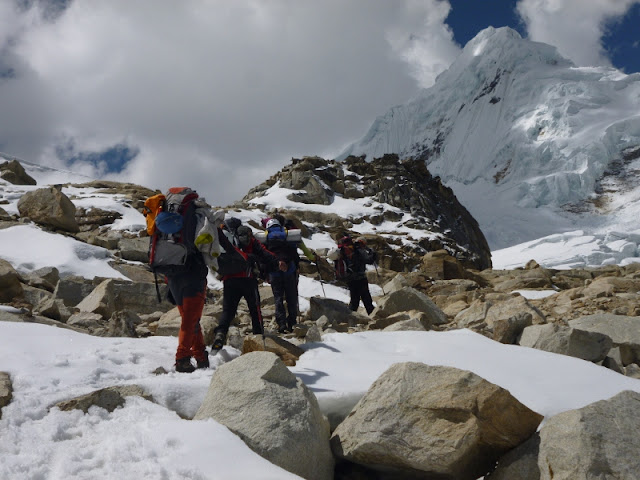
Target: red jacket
255, 252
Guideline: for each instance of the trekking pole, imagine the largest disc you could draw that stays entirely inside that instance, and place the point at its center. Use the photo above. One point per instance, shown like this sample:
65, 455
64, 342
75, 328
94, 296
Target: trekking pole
321, 283
378, 277
261, 319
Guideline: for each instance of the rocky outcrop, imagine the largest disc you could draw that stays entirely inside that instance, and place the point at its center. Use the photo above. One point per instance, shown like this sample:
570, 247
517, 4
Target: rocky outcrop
252, 395
420, 421
404, 192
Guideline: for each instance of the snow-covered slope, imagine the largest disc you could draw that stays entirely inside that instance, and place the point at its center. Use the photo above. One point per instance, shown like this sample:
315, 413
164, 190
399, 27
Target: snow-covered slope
530, 144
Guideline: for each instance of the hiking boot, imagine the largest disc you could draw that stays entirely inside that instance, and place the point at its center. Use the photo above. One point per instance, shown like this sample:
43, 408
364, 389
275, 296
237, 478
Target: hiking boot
291, 324
282, 329
184, 365
203, 363
219, 341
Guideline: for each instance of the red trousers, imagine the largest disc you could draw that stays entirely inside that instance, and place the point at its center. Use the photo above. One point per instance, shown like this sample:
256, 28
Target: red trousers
190, 339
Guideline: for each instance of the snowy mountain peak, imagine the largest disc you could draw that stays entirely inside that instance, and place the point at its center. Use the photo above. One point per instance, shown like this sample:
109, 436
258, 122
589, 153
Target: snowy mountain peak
529, 143
501, 48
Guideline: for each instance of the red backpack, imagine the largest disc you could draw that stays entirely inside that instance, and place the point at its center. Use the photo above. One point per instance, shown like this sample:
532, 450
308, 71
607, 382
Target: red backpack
341, 266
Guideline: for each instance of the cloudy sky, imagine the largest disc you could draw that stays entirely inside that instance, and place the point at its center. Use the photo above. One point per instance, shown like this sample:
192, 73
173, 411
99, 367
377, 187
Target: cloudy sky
221, 94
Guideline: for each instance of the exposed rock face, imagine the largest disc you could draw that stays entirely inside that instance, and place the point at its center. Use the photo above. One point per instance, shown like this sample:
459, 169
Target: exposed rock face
49, 207
422, 421
13, 172
253, 395
405, 187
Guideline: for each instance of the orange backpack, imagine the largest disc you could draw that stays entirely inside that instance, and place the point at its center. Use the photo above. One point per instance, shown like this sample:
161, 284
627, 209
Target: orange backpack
152, 207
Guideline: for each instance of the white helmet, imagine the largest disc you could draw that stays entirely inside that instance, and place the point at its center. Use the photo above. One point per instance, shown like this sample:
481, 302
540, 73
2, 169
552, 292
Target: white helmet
272, 222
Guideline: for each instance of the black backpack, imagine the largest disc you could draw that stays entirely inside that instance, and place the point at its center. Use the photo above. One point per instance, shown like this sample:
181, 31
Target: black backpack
233, 261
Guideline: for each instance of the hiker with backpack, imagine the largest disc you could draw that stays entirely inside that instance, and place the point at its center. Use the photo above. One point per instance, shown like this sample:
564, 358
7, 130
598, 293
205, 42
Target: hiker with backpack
182, 246
284, 243
350, 260
239, 267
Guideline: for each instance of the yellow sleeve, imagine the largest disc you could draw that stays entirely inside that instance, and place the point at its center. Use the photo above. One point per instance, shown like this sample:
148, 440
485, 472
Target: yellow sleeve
307, 253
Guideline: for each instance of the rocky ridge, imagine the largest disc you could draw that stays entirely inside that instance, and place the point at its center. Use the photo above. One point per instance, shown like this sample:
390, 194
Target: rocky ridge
593, 315
413, 211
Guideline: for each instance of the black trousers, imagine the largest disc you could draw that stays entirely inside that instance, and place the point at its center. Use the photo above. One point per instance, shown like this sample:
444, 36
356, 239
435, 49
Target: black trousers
359, 290
234, 290
285, 287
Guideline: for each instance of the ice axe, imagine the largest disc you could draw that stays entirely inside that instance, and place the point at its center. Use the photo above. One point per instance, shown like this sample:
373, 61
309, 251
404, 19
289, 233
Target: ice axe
378, 278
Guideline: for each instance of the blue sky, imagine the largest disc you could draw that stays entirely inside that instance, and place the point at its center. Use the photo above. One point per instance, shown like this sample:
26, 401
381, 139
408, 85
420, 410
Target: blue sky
221, 95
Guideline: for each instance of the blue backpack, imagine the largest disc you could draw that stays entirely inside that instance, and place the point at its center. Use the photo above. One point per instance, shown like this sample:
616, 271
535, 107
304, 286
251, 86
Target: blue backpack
276, 235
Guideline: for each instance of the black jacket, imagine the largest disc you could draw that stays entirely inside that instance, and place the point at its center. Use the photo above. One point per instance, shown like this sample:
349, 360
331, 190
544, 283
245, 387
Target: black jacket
357, 261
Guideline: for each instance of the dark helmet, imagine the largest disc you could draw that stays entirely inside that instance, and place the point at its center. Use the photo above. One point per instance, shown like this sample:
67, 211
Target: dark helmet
232, 224
244, 235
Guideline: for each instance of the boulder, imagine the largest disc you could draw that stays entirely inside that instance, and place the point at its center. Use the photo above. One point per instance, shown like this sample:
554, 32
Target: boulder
409, 315
502, 316
421, 421
6, 390
54, 308
526, 279
273, 412
286, 351
90, 322
412, 324
134, 249
35, 296
4, 216
599, 440
405, 299
13, 172
108, 398
521, 463
101, 300
111, 295
46, 278
72, 290
624, 331
590, 346
10, 286
49, 207
123, 323
336, 311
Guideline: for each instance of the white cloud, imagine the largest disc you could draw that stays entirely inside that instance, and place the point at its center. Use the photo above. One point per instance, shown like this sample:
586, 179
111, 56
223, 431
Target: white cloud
575, 27
232, 86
